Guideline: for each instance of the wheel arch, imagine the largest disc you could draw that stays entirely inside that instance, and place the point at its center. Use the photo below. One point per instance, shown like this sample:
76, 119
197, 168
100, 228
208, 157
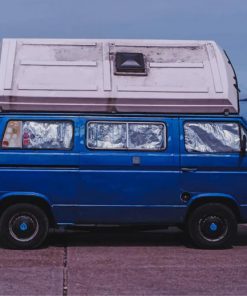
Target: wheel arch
227, 201
33, 199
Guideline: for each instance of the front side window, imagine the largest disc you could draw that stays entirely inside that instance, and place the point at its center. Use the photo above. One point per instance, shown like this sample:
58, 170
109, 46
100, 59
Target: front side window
210, 137
38, 135
126, 135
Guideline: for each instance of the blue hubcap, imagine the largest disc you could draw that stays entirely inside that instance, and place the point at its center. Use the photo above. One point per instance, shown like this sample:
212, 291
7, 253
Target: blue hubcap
213, 227
23, 226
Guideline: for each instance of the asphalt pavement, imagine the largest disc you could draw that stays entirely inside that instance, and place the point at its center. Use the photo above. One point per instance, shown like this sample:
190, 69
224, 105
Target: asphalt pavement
124, 263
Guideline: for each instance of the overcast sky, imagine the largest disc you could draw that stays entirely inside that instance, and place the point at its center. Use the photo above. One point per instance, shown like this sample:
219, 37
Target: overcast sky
224, 21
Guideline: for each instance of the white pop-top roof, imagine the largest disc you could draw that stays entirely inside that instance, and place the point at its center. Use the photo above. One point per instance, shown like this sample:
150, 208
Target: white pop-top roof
80, 75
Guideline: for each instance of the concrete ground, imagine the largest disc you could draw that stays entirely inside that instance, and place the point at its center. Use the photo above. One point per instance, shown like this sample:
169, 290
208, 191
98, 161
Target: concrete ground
125, 263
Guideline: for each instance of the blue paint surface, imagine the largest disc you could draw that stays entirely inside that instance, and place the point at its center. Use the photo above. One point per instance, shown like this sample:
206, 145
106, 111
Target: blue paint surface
84, 186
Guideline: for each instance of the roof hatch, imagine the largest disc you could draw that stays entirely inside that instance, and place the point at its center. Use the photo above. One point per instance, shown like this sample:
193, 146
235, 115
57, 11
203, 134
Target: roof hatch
129, 63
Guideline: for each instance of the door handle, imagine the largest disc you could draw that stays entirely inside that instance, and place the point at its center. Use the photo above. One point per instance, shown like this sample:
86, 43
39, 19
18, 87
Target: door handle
189, 170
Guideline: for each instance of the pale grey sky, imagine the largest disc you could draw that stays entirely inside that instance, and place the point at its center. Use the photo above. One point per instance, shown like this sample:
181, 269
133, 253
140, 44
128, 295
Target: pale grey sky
224, 21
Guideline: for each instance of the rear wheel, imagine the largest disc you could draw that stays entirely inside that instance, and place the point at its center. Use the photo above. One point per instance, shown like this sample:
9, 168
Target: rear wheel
23, 226
212, 225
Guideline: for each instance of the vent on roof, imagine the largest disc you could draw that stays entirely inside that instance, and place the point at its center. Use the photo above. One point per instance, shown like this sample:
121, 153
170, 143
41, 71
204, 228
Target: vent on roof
130, 63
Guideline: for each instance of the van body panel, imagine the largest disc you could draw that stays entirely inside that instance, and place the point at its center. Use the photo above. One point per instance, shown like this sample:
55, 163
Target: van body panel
146, 186
119, 215
90, 186
213, 174
79, 181
55, 185
52, 175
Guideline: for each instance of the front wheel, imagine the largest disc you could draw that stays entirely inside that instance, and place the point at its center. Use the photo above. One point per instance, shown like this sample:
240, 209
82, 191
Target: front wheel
23, 226
212, 225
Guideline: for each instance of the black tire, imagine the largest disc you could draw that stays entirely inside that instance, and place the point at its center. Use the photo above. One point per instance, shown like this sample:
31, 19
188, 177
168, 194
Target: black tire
23, 226
212, 225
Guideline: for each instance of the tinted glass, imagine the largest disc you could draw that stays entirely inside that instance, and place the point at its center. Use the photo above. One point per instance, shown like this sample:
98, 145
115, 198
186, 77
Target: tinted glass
127, 136
103, 135
146, 136
212, 137
38, 135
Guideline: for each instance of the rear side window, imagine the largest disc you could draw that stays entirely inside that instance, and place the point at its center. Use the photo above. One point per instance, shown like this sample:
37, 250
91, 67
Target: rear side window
126, 135
210, 137
38, 135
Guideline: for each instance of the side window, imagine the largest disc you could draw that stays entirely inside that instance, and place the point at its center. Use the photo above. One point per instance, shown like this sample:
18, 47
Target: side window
146, 136
126, 135
38, 135
210, 137
102, 135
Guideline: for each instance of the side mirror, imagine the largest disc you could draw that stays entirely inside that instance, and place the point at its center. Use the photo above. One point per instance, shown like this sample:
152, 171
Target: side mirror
243, 145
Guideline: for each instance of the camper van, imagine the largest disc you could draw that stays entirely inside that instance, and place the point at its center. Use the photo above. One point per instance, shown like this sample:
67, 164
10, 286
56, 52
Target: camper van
120, 133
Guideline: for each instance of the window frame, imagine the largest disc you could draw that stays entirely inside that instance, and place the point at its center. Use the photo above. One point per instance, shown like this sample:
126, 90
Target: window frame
165, 135
39, 149
212, 121
242, 131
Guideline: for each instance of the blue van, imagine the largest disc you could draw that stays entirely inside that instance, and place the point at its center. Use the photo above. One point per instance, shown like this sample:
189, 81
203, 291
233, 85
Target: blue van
120, 132
70, 170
